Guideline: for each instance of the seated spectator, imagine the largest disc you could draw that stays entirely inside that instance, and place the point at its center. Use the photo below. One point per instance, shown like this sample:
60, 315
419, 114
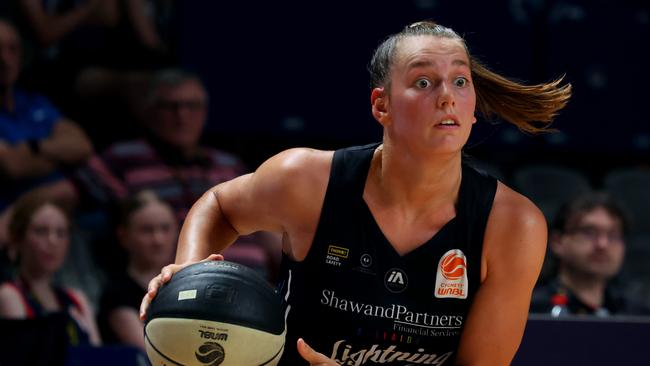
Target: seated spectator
587, 241
148, 232
171, 161
39, 232
37, 143
170, 158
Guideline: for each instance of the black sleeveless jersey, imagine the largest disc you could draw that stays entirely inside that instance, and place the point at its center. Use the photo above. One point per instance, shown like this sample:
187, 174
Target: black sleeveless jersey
357, 301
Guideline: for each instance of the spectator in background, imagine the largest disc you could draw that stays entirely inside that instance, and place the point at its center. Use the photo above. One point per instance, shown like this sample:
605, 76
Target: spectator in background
39, 232
37, 143
171, 161
148, 231
169, 158
587, 241
93, 57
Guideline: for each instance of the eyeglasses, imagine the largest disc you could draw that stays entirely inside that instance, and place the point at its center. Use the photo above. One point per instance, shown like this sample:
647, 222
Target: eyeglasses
593, 233
174, 105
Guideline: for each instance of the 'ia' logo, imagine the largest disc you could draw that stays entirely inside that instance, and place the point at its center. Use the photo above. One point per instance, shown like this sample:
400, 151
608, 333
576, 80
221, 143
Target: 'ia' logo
451, 277
396, 280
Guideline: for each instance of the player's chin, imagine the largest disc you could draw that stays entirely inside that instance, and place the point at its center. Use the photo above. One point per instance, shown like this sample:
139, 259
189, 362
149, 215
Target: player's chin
447, 145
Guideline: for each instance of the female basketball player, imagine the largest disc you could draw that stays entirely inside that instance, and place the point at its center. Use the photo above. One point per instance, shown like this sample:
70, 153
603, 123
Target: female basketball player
39, 238
396, 253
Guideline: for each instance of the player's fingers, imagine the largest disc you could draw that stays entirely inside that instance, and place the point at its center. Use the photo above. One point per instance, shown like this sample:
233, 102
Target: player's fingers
214, 257
167, 272
165, 275
155, 283
310, 355
146, 300
152, 289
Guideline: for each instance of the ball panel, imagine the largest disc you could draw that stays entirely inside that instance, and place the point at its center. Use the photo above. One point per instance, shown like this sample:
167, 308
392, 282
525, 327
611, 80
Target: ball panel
156, 357
275, 359
220, 291
187, 341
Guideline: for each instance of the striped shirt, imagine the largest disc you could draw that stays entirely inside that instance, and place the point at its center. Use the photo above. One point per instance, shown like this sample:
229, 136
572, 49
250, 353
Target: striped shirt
128, 167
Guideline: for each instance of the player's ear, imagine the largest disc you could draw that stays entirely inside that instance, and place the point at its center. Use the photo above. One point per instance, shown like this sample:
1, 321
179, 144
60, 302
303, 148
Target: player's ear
380, 105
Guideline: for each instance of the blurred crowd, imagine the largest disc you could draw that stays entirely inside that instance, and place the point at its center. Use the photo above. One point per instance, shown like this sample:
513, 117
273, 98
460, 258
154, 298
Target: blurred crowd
101, 159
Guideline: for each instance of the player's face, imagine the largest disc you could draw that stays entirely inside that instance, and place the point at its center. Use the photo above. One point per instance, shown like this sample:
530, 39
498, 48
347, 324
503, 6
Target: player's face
179, 114
151, 234
431, 97
594, 246
45, 245
9, 55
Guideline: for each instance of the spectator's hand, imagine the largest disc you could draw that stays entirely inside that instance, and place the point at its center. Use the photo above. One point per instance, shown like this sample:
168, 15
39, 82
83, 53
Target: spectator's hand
18, 162
81, 320
165, 275
314, 358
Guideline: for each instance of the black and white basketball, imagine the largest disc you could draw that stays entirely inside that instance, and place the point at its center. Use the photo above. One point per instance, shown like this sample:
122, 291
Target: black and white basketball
215, 313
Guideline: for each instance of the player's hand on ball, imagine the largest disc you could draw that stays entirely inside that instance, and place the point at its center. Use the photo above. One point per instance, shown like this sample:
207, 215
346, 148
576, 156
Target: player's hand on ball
165, 275
314, 358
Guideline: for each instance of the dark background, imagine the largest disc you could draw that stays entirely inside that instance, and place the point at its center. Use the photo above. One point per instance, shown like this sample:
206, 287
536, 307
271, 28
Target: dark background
284, 74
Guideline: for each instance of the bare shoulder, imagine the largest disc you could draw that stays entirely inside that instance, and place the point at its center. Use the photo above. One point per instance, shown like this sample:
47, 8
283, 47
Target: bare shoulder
303, 162
291, 170
516, 209
283, 195
516, 233
293, 185
303, 173
297, 172
10, 302
8, 291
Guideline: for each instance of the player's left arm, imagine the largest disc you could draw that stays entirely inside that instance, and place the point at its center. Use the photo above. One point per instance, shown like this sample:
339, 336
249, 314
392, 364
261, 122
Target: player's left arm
513, 253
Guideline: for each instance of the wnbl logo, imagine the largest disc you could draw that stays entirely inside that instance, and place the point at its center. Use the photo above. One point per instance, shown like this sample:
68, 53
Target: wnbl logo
451, 277
396, 280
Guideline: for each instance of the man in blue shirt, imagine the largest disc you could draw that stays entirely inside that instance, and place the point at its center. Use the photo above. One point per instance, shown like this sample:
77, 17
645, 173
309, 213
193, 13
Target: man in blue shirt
37, 143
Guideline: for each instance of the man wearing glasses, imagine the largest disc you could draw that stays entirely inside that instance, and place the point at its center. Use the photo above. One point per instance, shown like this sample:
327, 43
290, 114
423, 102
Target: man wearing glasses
169, 157
587, 241
170, 160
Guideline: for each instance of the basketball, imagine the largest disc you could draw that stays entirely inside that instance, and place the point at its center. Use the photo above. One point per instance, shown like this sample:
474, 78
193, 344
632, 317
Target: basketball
215, 313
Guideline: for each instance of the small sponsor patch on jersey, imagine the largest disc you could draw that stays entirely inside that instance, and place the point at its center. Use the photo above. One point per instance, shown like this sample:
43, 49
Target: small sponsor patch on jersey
338, 251
396, 280
451, 277
365, 260
336, 255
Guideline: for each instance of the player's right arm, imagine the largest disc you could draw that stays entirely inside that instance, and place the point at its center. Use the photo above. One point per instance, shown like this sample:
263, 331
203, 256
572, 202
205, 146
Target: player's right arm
284, 195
